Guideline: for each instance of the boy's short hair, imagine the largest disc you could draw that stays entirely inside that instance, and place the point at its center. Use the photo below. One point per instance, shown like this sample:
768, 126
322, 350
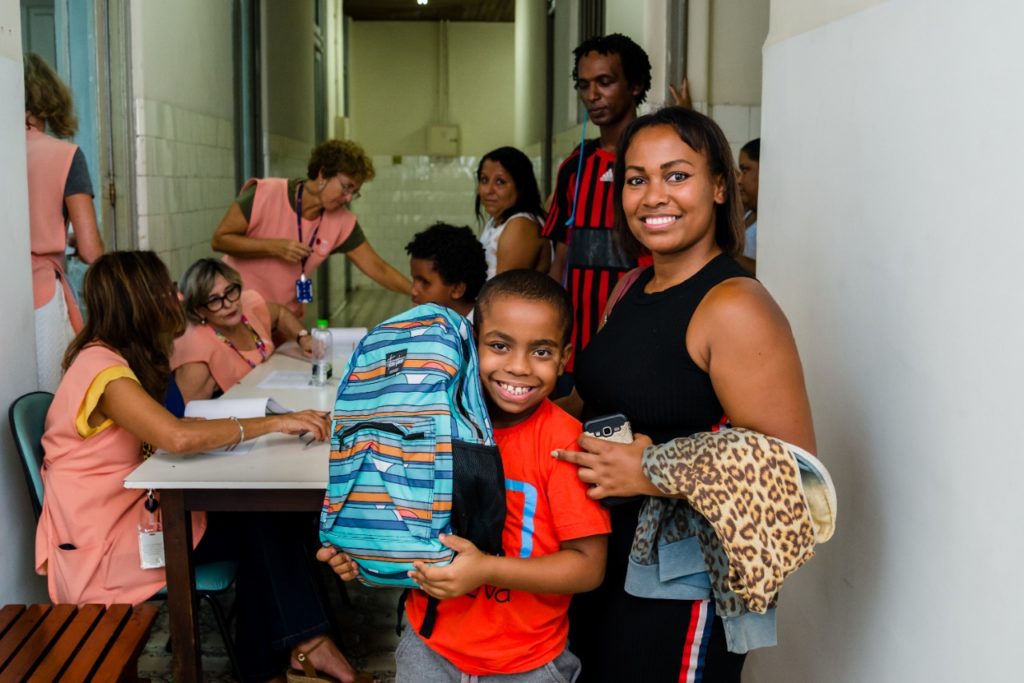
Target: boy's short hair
636, 66
456, 252
753, 150
532, 286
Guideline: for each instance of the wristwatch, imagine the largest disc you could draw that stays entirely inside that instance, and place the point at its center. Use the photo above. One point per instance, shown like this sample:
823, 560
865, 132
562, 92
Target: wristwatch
302, 333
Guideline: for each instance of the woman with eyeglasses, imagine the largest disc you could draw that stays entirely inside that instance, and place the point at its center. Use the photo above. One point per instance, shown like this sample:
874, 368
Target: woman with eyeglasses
230, 330
278, 230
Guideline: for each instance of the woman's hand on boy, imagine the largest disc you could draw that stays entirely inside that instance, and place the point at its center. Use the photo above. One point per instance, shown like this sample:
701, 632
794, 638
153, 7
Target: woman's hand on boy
468, 571
341, 563
611, 469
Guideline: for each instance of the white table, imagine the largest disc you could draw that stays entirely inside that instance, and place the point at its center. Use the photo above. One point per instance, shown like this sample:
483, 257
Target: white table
278, 474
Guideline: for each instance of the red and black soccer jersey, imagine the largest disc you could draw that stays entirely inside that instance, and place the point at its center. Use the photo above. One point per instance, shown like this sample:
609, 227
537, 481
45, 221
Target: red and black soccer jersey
594, 262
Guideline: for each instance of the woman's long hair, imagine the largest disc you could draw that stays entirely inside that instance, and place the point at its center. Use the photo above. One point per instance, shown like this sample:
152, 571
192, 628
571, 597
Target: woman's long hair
702, 135
133, 309
520, 168
48, 98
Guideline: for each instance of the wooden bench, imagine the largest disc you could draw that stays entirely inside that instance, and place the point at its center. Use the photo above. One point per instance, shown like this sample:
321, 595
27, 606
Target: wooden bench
48, 643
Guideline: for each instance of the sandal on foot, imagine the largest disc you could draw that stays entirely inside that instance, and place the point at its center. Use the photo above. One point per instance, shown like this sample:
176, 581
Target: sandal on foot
309, 674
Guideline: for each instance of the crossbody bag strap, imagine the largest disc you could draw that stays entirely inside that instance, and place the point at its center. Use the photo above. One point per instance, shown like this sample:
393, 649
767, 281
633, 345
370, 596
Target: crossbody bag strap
624, 284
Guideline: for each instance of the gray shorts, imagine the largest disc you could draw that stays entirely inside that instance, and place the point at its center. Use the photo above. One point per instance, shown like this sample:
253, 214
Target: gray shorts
417, 663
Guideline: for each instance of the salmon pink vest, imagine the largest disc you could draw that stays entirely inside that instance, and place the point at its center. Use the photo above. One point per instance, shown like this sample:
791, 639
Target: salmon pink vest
87, 540
48, 164
273, 217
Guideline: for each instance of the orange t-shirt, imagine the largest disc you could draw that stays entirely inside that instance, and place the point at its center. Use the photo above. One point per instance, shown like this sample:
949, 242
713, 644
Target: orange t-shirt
500, 631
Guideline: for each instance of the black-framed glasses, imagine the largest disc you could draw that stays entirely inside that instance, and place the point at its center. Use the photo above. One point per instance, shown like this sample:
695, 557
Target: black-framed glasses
231, 294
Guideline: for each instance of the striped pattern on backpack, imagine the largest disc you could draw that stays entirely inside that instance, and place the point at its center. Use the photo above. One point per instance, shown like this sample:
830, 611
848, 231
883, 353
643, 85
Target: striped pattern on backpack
412, 449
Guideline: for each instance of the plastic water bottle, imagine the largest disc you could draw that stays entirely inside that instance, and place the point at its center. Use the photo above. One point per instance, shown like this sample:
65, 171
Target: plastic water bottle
322, 354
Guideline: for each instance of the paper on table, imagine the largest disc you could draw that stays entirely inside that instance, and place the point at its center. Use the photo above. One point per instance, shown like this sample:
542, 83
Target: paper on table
224, 408
287, 379
234, 407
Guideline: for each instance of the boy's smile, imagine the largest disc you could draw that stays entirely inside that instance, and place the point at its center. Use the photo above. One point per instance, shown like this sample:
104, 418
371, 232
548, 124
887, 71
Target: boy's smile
521, 356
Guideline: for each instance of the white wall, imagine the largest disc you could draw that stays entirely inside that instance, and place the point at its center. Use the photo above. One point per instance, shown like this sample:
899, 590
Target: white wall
18, 583
725, 40
644, 22
890, 162
288, 86
530, 57
183, 82
394, 84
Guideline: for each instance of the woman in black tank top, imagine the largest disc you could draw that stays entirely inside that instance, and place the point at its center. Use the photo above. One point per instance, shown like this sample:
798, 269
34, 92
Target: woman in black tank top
693, 339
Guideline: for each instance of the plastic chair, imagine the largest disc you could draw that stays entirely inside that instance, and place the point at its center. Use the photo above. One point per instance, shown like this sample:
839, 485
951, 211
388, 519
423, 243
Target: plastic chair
27, 417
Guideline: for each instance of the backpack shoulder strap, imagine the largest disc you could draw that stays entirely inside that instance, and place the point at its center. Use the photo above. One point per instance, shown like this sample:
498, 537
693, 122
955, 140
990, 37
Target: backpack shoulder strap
620, 291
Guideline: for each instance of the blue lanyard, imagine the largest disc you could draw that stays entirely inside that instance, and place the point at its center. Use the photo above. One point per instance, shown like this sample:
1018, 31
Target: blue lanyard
298, 221
579, 172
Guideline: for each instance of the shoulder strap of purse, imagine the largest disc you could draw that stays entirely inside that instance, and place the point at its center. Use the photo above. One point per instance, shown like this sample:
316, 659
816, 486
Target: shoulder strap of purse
624, 284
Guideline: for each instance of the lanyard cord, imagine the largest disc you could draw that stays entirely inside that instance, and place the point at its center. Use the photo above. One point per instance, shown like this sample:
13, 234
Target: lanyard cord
579, 172
298, 222
261, 345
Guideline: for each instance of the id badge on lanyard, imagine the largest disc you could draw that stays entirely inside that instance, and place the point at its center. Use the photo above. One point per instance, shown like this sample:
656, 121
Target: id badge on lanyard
304, 289
151, 535
304, 285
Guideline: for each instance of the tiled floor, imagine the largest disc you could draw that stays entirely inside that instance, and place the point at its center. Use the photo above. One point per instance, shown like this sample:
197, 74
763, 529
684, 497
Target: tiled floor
365, 634
366, 307
366, 627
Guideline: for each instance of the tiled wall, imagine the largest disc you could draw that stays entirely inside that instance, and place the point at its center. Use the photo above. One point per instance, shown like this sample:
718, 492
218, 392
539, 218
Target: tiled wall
185, 182
740, 123
409, 194
287, 157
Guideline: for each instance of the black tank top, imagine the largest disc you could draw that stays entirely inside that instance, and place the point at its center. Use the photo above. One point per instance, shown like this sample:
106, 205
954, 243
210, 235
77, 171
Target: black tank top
638, 365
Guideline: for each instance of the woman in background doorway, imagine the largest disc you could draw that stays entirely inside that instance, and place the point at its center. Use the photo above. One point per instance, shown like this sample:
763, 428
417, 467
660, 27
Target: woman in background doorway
750, 170
59, 192
507, 191
278, 230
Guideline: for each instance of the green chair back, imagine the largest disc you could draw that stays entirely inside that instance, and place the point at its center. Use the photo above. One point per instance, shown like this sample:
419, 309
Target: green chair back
27, 417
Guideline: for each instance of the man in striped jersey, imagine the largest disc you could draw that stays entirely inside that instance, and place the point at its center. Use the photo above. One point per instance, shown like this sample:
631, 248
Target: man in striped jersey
612, 75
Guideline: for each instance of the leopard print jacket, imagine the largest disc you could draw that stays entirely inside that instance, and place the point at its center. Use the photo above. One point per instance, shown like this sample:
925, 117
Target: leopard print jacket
741, 495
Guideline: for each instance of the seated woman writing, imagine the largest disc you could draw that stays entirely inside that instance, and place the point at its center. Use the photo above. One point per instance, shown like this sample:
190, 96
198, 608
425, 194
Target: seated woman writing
103, 415
230, 330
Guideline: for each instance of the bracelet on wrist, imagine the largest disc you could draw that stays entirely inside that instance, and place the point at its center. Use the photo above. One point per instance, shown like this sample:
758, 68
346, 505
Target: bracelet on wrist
241, 430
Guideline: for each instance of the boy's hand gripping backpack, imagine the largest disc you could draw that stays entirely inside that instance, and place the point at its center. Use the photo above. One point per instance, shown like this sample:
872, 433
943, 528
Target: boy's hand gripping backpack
412, 450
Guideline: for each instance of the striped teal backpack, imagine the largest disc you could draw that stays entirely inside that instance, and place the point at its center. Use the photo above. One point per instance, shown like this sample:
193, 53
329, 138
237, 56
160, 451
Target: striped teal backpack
412, 450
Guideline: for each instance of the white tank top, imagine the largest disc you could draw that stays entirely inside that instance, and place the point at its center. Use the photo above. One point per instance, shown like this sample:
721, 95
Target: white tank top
492, 234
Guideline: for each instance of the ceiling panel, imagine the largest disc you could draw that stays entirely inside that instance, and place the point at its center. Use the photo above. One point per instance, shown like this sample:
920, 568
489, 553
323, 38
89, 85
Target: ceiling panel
435, 10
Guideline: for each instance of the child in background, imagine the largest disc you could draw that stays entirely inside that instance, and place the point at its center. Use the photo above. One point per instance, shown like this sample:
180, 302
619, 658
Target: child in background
508, 615
448, 267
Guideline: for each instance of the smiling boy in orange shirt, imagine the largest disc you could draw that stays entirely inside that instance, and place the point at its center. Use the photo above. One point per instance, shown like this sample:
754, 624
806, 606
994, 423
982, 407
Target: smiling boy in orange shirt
509, 614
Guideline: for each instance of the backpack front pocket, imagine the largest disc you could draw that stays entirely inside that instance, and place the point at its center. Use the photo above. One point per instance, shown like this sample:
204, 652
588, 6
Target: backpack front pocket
382, 477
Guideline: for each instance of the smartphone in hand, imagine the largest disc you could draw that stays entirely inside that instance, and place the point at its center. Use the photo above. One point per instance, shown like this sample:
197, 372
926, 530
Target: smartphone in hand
614, 428
610, 428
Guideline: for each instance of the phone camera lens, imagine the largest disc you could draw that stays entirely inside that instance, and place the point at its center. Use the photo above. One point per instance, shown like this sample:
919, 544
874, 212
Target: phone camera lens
606, 431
